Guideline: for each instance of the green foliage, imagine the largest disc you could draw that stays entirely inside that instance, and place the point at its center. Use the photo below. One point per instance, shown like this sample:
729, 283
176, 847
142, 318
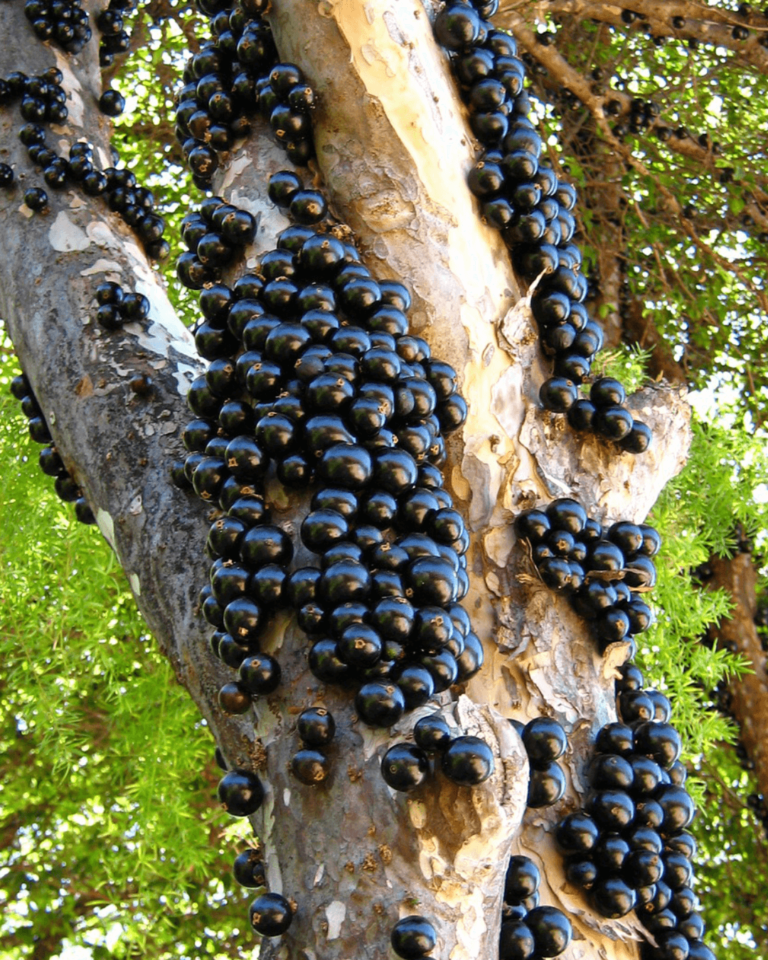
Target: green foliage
697, 514
629, 364
731, 864
687, 223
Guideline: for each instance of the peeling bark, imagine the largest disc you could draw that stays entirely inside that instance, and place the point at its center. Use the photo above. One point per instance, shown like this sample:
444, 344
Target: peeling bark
393, 148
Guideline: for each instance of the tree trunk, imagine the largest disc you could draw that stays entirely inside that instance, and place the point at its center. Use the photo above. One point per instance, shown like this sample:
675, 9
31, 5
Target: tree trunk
749, 694
394, 148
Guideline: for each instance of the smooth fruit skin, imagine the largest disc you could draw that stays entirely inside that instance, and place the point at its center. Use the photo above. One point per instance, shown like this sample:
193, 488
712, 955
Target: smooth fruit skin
270, 914
551, 930
544, 740
546, 786
316, 726
240, 792
432, 734
404, 767
248, 868
413, 937
309, 766
522, 879
516, 941
613, 898
468, 761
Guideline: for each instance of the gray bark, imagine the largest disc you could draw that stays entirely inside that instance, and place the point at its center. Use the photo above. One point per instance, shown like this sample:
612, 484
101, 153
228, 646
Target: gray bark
394, 148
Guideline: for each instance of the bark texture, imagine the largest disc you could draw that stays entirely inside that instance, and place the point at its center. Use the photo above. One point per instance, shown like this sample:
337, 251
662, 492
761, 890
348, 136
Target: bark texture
394, 148
737, 576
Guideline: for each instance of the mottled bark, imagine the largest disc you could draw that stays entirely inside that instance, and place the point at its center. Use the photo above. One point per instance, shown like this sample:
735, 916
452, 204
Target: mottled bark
738, 577
394, 148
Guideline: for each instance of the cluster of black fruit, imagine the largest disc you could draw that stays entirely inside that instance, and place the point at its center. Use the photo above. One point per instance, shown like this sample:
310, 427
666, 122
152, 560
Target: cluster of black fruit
629, 847
313, 374
43, 100
523, 197
63, 21
115, 307
316, 727
313, 371
528, 930
465, 760
642, 115
214, 234
232, 76
115, 39
603, 572
50, 460
545, 741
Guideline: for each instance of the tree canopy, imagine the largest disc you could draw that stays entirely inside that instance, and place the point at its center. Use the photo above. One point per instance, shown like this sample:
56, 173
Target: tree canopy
113, 840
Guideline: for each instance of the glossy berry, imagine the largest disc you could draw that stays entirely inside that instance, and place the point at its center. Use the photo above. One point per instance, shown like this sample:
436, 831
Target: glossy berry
404, 767
544, 740
577, 834
316, 726
546, 785
432, 734
248, 868
380, 704
270, 914
613, 898
260, 674
240, 792
234, 699
516, 941
309, 766
522, 880
468, 761
36, 198
413, 937
558, 394
551, 930
112, 103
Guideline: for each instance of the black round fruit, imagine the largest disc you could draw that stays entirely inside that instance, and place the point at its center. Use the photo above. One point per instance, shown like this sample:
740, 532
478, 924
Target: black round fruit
270, 914
551, 930
546, 786
112, 103
577, 834
522, 880
234, 698
413, 937
613, 898
248, 868
36, 198
380, 704
544, 740
404, 767
516, 941
309, 766
432, 734
260, 674
468, 761
240, 792
316, 726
